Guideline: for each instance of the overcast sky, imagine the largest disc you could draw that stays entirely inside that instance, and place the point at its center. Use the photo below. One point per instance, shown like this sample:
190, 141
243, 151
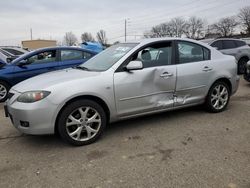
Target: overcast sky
50, 19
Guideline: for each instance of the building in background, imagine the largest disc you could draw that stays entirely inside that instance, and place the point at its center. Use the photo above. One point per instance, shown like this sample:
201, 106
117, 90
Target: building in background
35, 44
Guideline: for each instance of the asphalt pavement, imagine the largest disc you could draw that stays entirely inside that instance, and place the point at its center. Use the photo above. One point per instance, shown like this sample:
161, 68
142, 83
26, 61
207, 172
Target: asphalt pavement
188, 148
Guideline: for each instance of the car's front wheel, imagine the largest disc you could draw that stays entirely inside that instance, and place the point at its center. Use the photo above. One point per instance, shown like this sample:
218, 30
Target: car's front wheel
218, 97
4, 89
82, 122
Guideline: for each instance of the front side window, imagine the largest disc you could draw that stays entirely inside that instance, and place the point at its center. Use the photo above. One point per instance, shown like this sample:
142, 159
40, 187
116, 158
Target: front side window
67, 55
43, 57
190, 52
155, 55
107, 58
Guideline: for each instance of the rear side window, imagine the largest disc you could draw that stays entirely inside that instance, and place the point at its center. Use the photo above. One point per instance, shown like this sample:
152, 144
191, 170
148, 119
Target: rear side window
240, 43
67, 55
217, 44
191, 52
228, 44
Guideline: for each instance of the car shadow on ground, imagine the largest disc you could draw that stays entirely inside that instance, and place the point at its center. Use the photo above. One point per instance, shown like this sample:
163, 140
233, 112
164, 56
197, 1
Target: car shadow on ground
114, 128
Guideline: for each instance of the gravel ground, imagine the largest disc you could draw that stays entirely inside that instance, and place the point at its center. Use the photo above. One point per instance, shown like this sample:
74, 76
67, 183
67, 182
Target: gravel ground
184, 148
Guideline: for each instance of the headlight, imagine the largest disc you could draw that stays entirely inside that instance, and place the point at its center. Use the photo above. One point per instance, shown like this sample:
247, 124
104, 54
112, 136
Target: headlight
32, 96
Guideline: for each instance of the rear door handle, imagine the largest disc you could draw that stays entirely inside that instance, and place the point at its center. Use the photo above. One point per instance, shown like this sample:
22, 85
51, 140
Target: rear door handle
207, 69
166, 75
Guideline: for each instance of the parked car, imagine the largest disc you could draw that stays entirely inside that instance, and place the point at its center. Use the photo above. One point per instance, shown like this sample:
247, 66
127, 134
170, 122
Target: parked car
236, 47
37, 62
247, 74
6, 57
14, 50
126, 80
9, 53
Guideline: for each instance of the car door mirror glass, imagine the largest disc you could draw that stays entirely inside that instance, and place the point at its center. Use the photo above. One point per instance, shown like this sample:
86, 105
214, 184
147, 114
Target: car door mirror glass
23, 62
134, 65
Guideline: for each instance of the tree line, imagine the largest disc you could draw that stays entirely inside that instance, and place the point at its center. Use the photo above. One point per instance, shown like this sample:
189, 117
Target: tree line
196, 28
70, 38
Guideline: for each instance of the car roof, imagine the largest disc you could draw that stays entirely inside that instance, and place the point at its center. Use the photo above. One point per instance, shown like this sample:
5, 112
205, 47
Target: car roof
151, 40
62, 48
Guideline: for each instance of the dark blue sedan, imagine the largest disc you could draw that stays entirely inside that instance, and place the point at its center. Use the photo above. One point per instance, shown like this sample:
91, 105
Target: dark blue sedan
38, 62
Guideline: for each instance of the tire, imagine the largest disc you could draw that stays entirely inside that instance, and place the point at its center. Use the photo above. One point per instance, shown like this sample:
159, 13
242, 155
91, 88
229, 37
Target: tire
214, 96
4, 89
247, 77
84, 119
242, 65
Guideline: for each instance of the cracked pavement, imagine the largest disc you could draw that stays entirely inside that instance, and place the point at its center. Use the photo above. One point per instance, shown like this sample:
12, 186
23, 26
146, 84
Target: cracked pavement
184, 148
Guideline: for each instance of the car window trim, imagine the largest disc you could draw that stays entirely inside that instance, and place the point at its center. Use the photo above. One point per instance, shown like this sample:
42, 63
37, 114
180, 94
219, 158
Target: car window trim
127, 60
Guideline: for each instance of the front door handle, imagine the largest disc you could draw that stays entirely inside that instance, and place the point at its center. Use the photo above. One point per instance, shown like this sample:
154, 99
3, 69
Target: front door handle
166, 75
207, 69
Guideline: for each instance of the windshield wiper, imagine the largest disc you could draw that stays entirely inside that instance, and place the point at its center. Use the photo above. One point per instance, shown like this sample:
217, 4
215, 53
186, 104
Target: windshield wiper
82, 68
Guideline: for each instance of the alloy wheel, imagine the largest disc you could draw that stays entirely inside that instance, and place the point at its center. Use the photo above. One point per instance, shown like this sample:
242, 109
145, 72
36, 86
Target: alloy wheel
219, 97
83, 123
3, 91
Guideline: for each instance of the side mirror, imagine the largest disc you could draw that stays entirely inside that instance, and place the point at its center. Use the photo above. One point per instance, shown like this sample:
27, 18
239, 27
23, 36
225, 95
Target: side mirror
134, 65
23, 63
10, 59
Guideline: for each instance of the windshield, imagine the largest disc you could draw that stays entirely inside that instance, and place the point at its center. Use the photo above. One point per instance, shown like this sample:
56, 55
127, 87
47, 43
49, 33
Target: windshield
108, 57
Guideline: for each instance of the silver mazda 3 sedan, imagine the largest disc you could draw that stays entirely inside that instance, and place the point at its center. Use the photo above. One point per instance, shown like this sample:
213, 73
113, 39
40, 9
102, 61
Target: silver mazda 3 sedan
126, 80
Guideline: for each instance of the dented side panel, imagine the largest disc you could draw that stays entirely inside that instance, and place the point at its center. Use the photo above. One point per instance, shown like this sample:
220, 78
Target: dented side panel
144, 90
193, 82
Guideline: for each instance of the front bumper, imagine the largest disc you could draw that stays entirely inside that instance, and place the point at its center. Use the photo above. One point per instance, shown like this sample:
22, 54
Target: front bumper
39, 117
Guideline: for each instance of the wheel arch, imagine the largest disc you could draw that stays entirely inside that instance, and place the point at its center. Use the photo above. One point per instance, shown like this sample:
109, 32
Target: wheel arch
225, 80
6, 81
244, 57
89, 97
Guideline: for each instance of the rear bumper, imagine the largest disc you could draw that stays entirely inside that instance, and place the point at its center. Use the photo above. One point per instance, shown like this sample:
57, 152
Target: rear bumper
235, 84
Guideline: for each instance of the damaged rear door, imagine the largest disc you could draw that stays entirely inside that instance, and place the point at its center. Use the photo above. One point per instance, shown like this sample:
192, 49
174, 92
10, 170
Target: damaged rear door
148, 89
194, 72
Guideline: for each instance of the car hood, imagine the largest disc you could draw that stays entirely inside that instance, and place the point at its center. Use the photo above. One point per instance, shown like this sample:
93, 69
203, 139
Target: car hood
47, 80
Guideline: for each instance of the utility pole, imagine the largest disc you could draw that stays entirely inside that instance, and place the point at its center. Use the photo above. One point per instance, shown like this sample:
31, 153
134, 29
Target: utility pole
31, 37
125, 30
126, 25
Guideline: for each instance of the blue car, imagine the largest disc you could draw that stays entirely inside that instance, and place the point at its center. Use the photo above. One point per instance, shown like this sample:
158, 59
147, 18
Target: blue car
38, 62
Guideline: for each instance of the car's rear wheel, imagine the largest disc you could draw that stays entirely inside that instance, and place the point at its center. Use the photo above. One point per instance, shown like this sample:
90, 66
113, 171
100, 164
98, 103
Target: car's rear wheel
4, 89
82, 122
242, 65
218, 97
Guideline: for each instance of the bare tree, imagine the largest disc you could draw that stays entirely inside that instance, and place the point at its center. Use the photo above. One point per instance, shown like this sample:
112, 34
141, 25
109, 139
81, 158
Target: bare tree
70, 39
177, 24
101, 37
244, 17
225, 27
161, 30
87, 37
194, 28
